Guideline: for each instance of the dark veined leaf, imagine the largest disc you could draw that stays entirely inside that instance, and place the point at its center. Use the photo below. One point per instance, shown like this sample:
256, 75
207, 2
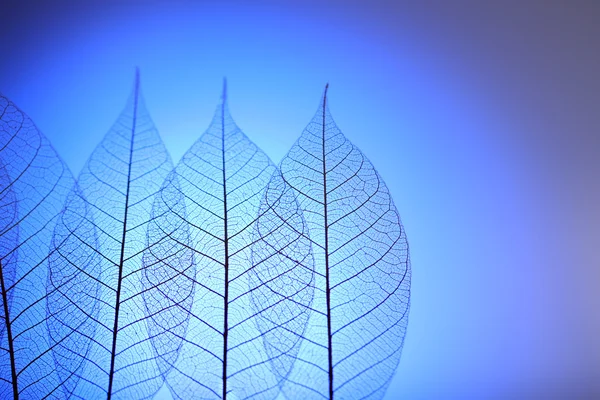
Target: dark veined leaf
362, 271
102, 347
34, 183
223, 245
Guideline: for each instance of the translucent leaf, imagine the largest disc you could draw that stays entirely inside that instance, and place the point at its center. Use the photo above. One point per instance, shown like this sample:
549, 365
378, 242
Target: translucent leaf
72, 294
34, 183
355, 334
225, 265
103, 349
282, 275
168, 262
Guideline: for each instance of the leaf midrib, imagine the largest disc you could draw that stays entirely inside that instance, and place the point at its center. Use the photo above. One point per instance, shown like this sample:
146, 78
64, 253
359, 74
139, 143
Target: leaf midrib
327, 287
123, 238
226, 247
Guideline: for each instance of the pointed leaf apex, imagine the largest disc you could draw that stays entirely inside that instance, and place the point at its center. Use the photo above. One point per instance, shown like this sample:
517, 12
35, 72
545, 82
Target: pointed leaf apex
136, 84
224, 94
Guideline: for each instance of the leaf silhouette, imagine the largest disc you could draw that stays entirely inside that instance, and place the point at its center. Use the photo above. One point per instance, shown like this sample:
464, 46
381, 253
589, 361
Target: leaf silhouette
226, 265
362, 272
102, 347
34, 183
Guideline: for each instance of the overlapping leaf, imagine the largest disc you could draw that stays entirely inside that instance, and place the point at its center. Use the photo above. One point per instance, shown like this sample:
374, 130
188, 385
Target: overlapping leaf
282, 275
209, 280
362, 274
241, 243
72, 298
34, 183
102, 346
168, 262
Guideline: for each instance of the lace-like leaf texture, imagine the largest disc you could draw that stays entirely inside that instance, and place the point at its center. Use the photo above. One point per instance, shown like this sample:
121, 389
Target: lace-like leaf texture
354, 338
228, 269
97, 313
34, 183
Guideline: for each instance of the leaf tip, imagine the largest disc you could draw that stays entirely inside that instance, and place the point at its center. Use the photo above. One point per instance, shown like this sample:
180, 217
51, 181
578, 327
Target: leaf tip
224, 93
136, 83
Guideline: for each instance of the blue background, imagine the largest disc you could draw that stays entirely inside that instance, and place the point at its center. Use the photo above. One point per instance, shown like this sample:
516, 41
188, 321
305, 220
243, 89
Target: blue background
482, 118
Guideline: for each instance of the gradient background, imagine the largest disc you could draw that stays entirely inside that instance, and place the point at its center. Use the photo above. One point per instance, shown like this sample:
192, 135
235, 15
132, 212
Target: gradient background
483, 118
